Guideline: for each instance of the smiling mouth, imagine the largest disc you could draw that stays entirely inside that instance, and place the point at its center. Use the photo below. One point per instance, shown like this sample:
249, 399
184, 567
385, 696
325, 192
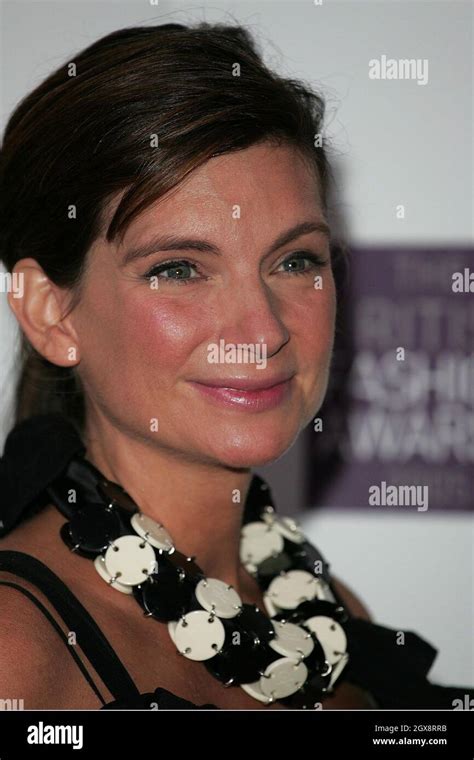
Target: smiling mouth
247, 384
268, 394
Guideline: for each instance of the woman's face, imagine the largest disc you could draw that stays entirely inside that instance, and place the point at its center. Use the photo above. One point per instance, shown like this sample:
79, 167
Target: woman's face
152, 338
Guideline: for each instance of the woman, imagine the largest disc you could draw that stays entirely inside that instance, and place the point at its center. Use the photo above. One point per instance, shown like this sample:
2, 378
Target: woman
178, 313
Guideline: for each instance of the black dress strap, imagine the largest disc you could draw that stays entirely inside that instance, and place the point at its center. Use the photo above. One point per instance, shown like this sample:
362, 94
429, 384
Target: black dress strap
95, 646
60, 633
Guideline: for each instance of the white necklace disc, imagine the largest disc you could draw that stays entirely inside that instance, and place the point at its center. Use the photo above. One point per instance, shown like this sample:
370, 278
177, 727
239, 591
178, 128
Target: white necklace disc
289, 589
215, 595
198, 635
254, 690
269, 606
288, 527
155, 533
291, 640
283, 677
250, 567
324, 592
258, 542
338, 668
331, 636
132, 558
99, 564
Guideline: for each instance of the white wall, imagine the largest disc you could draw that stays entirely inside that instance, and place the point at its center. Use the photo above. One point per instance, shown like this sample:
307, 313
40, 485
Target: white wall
396, 142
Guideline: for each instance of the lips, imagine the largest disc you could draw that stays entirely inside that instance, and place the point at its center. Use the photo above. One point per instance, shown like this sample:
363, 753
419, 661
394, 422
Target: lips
246, 384
246, 393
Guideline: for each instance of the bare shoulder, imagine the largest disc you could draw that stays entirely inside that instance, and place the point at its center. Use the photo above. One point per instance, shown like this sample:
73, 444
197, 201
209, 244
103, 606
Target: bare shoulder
351, 600
31, 663
35, 664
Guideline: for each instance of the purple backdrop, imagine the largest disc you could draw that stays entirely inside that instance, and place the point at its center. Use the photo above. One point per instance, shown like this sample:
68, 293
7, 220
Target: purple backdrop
405, 422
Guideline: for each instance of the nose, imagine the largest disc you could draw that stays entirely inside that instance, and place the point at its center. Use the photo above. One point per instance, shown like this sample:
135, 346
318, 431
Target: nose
252, 314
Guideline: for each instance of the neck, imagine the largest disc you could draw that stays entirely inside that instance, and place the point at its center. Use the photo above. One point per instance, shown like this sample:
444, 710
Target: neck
201, 504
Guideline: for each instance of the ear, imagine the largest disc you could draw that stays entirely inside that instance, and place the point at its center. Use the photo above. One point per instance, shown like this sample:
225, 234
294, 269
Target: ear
40, 311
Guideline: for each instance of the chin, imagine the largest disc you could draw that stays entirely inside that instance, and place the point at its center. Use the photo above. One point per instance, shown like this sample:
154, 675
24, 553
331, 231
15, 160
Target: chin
255, 451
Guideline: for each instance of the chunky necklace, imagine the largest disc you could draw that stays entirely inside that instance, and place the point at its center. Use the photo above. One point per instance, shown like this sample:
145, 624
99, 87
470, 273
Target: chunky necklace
294, 654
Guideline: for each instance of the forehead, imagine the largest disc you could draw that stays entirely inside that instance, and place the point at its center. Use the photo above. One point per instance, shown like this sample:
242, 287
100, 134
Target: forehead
255, 173
266, 187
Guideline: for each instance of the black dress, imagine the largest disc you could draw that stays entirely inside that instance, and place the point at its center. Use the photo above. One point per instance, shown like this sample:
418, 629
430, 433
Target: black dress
37, 452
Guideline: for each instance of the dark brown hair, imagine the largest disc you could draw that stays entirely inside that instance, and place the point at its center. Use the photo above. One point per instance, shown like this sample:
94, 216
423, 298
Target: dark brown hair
84, 134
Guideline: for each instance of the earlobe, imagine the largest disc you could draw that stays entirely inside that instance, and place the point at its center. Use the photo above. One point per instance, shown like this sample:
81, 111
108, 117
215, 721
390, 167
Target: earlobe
40, 312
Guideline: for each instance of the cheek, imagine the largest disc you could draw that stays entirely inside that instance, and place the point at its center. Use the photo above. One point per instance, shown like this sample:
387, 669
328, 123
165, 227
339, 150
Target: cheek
315, 345
312, 324
323, 325
159, 333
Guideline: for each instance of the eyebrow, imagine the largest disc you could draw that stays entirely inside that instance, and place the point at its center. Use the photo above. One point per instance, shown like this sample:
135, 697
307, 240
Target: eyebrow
179, 243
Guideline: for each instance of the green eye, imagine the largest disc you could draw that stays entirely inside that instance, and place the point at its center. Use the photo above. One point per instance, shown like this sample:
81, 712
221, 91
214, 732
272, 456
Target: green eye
297, 262
178, 271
